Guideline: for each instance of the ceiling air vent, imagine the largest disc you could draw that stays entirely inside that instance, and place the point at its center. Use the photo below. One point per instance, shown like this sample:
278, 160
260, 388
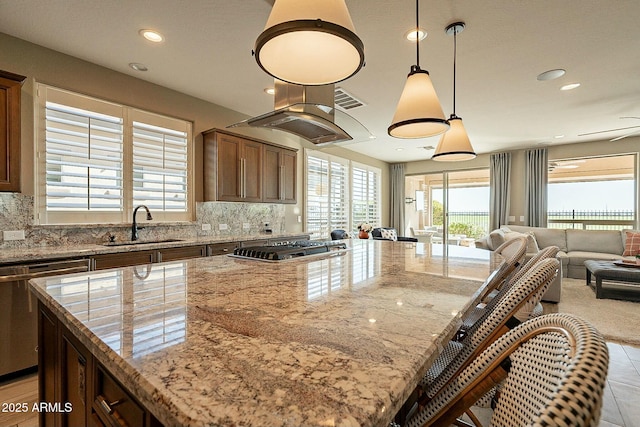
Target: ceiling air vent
345, 100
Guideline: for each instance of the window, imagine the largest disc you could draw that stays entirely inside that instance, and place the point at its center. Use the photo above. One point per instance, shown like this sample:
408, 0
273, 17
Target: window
611, 184
340, 194
96, 160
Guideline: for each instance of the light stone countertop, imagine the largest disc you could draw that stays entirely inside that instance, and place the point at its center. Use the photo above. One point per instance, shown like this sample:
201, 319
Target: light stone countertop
37, 253
316, 341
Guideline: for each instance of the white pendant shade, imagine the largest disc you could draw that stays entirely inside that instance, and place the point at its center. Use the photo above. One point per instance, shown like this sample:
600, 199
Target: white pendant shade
311, 42
454, 145
419, 113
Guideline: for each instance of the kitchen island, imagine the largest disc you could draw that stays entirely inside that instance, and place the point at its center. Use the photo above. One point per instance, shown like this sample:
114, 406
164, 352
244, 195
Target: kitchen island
330, 340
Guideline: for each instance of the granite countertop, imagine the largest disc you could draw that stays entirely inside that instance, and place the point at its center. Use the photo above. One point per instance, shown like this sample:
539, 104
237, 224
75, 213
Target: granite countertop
316, 341
16, 255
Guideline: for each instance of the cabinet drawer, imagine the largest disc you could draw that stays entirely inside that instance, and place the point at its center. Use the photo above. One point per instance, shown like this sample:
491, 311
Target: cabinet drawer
172, 254
126, 259
221, 248
113, 405
249, 243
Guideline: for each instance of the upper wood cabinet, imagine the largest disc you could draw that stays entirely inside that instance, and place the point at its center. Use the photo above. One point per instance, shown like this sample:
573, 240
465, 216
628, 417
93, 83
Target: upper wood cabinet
10, 89
279, 184
239, 169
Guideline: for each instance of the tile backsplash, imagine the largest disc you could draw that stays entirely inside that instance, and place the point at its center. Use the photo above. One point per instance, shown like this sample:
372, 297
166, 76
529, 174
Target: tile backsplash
17, 213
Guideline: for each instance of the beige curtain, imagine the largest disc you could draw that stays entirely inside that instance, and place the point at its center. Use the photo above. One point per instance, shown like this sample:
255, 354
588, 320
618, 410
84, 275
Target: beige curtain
396, 218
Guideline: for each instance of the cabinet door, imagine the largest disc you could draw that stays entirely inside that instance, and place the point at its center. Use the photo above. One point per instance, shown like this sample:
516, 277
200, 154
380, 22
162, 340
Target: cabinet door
229, 166
47, 363
10, 89
279, 175
288, 164
221, 248
271, 182
251, 171
113, 405
76, 374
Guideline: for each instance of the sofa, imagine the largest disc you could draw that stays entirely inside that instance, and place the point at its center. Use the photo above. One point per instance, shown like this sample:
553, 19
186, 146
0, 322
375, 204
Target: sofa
576, 246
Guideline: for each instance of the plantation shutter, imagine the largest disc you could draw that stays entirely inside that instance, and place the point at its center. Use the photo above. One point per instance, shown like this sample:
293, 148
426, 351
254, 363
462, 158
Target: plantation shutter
159, 163
326, 201
365, 195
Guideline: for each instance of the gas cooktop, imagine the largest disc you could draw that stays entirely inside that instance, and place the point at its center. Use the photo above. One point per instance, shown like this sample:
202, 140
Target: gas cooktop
288, 250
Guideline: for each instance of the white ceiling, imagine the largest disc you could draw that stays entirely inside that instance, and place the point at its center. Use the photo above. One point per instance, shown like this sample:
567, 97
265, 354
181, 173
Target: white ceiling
506, 44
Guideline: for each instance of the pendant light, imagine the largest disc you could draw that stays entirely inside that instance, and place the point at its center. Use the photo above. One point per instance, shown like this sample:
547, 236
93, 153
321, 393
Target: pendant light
419, 113
454, 144
311, 42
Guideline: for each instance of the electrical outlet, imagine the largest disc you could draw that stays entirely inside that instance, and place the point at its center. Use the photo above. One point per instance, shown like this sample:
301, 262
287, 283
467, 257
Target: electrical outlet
223, 227
13, 235
246, 226
206, 227
299, 218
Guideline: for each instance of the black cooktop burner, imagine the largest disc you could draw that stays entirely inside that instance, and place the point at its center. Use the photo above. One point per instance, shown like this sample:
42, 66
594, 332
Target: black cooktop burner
288, 250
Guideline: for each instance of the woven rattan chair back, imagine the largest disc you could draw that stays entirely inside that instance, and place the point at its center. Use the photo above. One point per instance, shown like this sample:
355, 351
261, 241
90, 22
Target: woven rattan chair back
513, 251
553, 369
493, 323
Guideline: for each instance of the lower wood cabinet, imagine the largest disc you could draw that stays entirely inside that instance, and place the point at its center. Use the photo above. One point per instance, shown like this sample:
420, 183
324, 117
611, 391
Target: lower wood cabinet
186, 252
76, 387
221, 248
124, 259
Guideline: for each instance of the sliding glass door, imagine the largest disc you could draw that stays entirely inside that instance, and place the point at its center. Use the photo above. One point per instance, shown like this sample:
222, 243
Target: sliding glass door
450, 207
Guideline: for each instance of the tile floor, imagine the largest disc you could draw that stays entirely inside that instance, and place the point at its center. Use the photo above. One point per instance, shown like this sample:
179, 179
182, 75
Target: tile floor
620, 407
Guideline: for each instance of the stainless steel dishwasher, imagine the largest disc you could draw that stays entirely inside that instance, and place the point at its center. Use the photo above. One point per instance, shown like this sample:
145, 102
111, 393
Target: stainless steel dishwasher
18, 311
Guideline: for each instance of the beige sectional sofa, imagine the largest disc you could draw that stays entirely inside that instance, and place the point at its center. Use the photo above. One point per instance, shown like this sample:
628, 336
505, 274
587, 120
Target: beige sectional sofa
576, 246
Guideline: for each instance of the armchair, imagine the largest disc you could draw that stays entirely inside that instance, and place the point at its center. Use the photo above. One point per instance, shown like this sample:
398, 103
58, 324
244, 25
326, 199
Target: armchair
389, 233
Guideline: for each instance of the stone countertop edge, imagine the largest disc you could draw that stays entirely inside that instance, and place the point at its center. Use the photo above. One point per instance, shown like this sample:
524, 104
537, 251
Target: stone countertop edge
17, 255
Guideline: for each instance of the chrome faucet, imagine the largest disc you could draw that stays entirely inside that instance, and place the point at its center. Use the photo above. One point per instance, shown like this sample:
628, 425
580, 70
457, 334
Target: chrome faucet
134, 226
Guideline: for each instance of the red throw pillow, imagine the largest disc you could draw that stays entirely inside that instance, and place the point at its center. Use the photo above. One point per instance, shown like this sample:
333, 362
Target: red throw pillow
632, 244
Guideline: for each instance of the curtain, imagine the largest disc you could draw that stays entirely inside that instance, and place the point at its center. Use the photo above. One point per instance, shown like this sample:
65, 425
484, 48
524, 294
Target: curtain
396, 218
500, 186
536, 170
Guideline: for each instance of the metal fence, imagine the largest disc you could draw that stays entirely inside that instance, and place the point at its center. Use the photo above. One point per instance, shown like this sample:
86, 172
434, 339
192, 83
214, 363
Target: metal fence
592, 220
577, 219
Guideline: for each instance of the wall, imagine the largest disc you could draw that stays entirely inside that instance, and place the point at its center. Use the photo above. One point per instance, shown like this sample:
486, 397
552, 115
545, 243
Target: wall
556, 152
43, 65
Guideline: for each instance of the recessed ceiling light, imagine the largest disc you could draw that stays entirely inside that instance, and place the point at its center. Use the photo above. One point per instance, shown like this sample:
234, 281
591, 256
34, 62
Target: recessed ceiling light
412, 35
270, 90
151, 35
558, 136
137, 66
551, 74
399, 149
570, 86
428, 147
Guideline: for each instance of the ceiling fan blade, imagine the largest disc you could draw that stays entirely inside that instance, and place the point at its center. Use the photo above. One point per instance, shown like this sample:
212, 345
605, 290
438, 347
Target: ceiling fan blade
624, 136
610, 130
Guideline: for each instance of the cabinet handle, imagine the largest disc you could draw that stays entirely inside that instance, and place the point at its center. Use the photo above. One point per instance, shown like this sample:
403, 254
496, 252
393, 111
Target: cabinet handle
106, 406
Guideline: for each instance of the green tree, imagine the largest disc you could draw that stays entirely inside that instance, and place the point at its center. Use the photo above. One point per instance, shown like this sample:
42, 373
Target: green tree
437, 212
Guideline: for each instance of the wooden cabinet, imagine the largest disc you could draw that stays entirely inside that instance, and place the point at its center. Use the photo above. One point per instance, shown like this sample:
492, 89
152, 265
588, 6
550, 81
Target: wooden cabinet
76, 388
239, 169
221, 248
279, 177
10, 90
124, 259
186, 252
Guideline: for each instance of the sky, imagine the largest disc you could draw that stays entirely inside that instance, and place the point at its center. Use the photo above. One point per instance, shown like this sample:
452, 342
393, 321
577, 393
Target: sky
602, 195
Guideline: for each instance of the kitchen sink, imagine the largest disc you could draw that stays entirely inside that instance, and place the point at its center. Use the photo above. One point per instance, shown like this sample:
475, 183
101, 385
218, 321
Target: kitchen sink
141, 242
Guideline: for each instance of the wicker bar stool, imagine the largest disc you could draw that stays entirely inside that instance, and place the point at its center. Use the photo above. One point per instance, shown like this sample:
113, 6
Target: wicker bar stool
456, 355
553, 370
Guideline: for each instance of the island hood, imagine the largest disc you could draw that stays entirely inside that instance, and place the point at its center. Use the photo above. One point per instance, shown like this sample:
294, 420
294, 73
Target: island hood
309, 112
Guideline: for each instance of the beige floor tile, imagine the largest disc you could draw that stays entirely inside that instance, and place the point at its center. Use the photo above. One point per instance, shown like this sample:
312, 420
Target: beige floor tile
627, 398
610, 412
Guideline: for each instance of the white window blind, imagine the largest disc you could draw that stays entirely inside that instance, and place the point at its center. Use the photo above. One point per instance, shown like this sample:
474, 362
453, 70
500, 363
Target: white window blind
97, 160
340, 194
327, 197
365, 195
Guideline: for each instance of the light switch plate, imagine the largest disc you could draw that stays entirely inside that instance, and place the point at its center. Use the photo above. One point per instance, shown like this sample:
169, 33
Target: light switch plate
206, 227
223, 227
246, 226
13, 235
512, 218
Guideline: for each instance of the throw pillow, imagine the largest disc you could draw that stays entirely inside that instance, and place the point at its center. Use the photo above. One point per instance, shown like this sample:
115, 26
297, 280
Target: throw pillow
496, 238
389, 234
632, 244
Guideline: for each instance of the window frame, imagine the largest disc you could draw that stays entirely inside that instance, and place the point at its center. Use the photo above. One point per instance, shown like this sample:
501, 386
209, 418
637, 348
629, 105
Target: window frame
128, 115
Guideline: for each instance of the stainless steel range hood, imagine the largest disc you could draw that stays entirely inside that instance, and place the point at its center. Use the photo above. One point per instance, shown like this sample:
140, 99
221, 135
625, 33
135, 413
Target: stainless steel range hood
309, 112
